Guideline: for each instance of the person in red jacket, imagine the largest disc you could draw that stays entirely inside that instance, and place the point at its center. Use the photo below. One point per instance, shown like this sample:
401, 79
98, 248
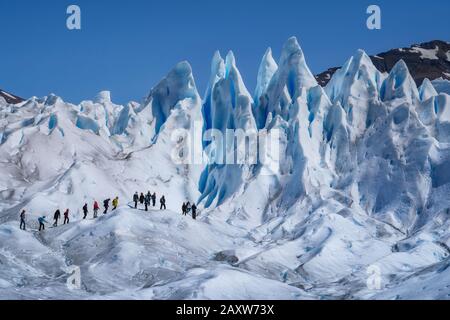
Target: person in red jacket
66, 217
96, 208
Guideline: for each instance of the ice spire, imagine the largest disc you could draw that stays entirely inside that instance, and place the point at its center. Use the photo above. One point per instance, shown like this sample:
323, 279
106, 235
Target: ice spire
230, 62
358, 78
103, 97
233, 73
426, 90
217, 73
177, 86
267, 69
400, 84
217, 70
290, 81
295, 70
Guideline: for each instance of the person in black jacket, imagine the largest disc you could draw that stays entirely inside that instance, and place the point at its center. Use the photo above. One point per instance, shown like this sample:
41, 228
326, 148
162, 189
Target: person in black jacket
188, 208
85, 211
56, 217
148, 198
194, 211
136, 199
66, 217
154, 199
163, 203
22, 220
142, 198
106, 205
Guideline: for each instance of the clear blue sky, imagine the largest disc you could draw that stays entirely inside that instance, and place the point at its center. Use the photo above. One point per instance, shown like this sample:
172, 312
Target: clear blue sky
128, 46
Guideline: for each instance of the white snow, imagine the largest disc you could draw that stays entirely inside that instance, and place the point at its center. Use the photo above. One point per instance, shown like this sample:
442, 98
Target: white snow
430, 54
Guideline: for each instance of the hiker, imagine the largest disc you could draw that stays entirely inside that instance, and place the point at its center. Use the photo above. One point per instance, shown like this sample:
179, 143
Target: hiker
183, 209
115, 203
41, 223
136, 199
194, 211
66, 217
163, 203
188, 208
96, 208
22, 220
142, 198
85, 211
154, 199
106, 205
148, 198
56, 217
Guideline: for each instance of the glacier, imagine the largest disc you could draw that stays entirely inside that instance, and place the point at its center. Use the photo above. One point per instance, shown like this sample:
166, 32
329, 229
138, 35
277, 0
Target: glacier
363, 183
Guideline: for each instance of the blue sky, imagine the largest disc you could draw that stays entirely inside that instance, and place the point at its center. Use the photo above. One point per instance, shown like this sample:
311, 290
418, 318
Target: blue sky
128, 46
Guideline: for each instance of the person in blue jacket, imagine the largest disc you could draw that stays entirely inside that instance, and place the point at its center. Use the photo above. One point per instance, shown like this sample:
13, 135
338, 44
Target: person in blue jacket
42, 222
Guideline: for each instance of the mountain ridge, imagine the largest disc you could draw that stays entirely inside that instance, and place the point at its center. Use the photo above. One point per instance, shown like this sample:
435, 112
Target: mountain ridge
423, 61
10, 98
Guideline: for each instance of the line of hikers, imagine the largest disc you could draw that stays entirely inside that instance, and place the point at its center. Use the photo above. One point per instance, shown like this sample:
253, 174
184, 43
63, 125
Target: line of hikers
96, 207
57, 215
42, 220
187, 207
148, 199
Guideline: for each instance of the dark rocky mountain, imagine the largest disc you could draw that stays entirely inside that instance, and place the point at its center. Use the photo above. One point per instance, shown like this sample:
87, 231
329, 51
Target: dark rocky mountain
10, 98
426, 60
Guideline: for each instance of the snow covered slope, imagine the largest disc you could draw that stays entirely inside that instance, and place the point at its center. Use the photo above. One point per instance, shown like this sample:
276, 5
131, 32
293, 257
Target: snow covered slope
363, 184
